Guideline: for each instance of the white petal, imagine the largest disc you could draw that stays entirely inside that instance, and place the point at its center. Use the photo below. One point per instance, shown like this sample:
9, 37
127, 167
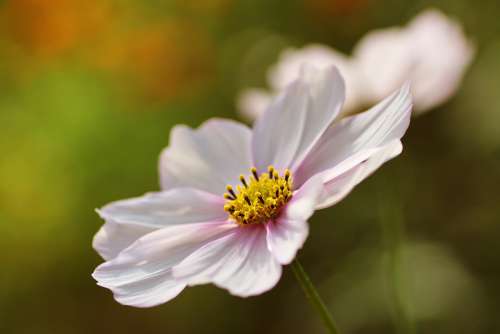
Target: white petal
285, 237
209, 261
176, 206
287, 234
431, 52
241, 263
141, 274
291, 60
442, 55
303, 202
149, 292
207, 158
354, 139
112, 237
384, 59
297, 118
258, 272
253, 102
337, 188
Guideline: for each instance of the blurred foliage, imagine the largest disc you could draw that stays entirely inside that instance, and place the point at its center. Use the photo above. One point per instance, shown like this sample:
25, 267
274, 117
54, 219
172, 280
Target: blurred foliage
89, 92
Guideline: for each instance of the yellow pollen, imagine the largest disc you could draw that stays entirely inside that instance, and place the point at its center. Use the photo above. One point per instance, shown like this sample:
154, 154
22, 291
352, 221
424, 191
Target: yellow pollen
260, 198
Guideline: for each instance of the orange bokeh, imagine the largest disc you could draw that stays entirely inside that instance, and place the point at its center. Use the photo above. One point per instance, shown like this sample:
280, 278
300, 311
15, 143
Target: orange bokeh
49, 28
158, 59
165, 59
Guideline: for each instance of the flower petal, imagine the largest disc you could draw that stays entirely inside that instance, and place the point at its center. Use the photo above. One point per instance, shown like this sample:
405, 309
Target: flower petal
287, 69
287, 234
149, 292
338, 187
385, 60
254, 274
253, 102
141, 275
240, 263
206, 158
442, 54
432, 52
297, 118
354, 139
176, 206
113, 237
285, 237
209, 261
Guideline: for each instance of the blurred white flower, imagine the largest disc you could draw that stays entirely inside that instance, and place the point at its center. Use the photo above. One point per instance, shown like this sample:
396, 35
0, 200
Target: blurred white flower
431, 52
192, 232
253, 102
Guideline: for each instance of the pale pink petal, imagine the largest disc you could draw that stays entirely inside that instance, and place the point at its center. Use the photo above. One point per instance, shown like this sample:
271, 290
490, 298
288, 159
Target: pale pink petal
287, 234
128, 220
297, 118
206, 158
354, 139
273, 144
149, 292
240, 263
112, 237
285, 237
141, 275
172, 207
442, 54
210, 260
338, 187
253, 102
255, 274
155, 253
291, 60
385, 60
432, 52
303, 201
288, 67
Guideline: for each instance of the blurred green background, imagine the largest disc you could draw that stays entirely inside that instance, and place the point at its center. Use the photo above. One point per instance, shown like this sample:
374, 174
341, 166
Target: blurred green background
89, 90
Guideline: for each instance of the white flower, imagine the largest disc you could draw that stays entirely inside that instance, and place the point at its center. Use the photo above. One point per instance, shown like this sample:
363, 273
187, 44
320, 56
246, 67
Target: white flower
204, 228
252, 102
431, 51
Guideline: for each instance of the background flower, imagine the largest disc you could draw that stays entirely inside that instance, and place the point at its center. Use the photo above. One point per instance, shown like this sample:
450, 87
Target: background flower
431, 51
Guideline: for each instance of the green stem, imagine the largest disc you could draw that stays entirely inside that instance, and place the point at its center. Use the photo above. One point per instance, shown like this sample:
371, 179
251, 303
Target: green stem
392, 222
313, 296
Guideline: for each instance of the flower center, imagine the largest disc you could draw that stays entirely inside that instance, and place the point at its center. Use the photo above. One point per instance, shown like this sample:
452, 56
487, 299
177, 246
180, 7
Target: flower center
260, 199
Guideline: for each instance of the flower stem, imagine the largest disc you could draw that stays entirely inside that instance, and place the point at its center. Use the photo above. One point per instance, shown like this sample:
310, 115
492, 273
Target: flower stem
313, 296
392, 222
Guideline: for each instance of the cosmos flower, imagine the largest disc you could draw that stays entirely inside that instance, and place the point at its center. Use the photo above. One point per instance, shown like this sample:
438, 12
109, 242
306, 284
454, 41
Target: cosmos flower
235, 201
431, 51
252, 102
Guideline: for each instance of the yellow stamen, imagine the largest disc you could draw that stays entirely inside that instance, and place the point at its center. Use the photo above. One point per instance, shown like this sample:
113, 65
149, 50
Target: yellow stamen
242, 179
231, 191
254, 172
261, 199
